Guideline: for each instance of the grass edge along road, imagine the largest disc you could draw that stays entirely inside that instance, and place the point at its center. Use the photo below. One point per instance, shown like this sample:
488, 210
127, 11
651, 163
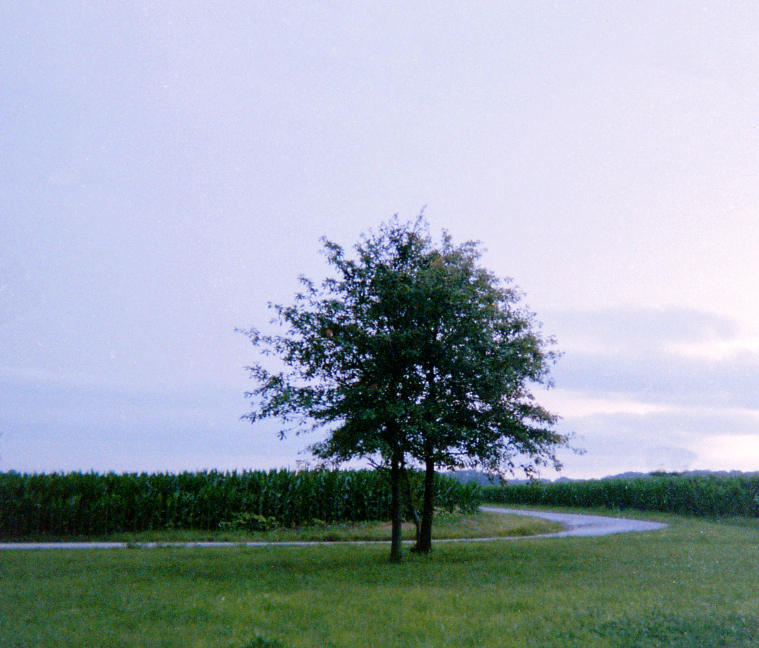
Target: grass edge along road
692, 583
449, 526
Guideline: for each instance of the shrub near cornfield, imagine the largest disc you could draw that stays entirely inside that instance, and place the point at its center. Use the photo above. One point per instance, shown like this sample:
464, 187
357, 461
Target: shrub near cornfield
87, 504
709, 495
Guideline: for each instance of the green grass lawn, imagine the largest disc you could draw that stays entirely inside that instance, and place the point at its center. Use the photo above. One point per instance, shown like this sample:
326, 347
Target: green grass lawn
446, 526
695, 583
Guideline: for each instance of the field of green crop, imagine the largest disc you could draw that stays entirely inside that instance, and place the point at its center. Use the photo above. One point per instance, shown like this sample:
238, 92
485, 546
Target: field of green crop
90, 504
692, 584
703, 495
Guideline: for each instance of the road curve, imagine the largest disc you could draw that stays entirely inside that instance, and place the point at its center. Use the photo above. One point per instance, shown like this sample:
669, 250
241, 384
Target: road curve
583, 525
574, 525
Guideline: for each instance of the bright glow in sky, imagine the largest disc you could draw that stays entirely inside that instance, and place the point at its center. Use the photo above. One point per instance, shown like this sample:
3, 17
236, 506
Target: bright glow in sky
168, 169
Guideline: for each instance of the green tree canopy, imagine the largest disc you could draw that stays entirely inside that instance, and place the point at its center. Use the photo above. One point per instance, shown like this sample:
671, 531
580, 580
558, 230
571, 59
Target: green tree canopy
411, 353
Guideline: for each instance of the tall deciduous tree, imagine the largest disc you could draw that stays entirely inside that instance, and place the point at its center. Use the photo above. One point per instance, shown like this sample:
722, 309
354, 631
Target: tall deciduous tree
414, 354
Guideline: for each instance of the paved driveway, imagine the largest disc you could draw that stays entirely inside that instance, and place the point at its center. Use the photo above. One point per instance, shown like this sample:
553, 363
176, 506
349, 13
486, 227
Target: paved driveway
583, 525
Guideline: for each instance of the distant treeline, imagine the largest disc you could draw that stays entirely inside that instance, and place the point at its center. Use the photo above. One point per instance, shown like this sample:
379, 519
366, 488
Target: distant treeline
87, 504
707, 495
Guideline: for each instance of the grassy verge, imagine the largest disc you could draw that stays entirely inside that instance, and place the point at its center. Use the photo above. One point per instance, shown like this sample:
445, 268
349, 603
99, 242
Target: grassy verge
691, 584
447, 525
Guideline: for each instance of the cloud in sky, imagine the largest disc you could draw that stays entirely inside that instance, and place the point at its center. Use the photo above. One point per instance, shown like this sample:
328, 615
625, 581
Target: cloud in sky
677, 356
658, 389
166, 170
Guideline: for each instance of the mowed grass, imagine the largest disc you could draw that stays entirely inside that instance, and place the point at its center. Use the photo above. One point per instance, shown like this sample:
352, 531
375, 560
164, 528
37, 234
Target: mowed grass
446, 526
694, 583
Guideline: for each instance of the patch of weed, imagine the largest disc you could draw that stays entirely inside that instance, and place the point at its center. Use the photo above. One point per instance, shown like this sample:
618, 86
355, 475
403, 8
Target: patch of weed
261, 642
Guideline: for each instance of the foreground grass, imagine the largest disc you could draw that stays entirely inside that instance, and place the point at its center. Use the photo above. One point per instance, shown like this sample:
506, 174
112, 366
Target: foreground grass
691, 584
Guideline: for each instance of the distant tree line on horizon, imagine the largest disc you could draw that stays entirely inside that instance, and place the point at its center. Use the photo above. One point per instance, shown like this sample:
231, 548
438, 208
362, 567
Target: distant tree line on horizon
490, 479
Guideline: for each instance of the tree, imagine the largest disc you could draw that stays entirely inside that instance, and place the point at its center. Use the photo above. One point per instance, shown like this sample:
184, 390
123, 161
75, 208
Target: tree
415, 355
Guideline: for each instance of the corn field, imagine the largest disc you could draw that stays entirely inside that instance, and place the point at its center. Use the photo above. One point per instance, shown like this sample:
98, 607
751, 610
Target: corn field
705, 495
87, 504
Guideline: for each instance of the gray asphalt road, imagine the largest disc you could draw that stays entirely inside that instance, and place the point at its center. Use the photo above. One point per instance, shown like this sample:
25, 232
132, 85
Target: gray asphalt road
584, 525
574, 525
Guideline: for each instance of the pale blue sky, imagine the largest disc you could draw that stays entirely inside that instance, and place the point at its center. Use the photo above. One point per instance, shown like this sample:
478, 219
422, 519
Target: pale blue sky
165, 171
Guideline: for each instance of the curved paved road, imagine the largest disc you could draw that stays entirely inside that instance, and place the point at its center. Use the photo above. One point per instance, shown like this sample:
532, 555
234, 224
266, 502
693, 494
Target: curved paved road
574, 525
583, 525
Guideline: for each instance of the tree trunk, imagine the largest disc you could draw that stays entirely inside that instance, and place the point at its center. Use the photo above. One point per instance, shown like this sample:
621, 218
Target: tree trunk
411, 505
395, 508
424, 542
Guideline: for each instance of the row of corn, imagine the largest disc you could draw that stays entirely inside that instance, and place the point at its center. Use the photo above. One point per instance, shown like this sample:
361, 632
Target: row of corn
707, 495
86, 504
